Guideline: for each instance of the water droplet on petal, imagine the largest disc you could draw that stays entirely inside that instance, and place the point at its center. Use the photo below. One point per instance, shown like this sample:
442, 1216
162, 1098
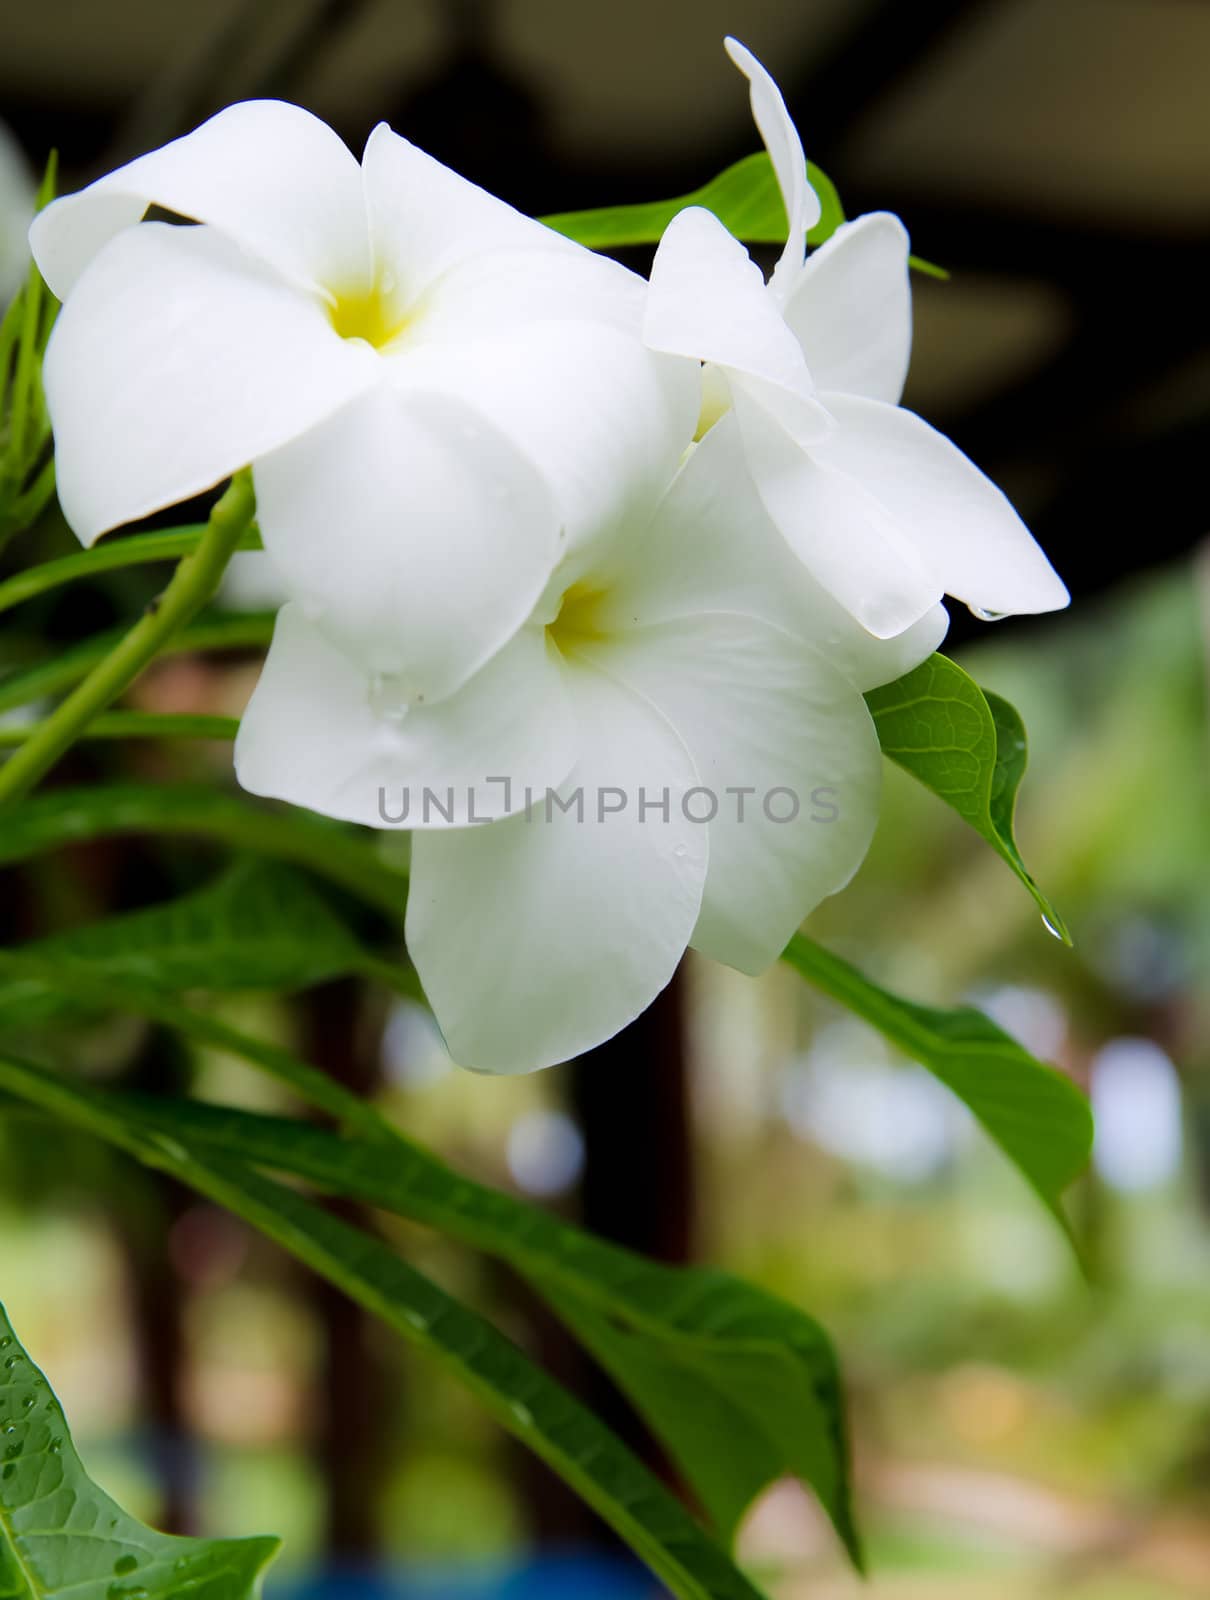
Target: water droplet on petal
988, 616
681, 851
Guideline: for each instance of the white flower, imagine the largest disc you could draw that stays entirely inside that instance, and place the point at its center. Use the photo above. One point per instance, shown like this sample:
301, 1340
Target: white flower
681, 665
434, 390
885, 511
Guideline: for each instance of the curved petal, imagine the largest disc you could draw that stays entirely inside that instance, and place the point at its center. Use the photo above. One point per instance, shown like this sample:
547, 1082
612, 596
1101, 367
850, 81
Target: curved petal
536, 939
321, 733
852, 309
425, 218
177, 361
269, 175
788, 763
961, 526
603, 420
712, 547
416, 535
777, 129
708, 300
846, 538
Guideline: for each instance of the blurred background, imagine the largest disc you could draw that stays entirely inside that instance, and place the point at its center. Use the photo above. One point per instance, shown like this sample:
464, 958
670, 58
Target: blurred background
1019, 1431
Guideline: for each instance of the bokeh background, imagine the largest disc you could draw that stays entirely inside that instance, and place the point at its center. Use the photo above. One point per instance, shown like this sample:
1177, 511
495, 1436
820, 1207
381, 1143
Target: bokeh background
1020, 1431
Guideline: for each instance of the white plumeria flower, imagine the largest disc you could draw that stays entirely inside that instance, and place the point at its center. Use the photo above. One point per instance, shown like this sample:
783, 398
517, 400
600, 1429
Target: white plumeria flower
374, 339
16, 210
885, 511
682, 675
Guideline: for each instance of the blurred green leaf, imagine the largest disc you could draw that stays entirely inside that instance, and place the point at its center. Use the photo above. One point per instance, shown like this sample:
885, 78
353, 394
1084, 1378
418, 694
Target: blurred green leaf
128, 550
61, 1535
518, 1393
745, 198
331, 850
138, 725
968, 747
251, 630
27, 473
1038, 1117
703, 1355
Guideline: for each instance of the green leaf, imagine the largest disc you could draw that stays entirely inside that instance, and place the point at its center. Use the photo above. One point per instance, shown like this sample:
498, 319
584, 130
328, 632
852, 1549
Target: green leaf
61, 1535
130, 550
522, 1398
745, 198
1037, 1116
139, 725
216, 631
69, 816
259, 926
968, 747
703, 1355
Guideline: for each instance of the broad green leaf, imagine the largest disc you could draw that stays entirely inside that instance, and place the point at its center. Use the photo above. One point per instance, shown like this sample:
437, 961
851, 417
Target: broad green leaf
60, 1535
702, 1354
744, 197
968, 747
129, 550
522, 1398
1037, 1116
216, 631
60, 817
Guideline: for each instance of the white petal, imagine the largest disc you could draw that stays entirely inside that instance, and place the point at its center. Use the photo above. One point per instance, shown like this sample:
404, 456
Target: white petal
852, 309
712, 547
603, 420
320, 733
848, 540
788, 764
961, 526
785, 151
535, 940
709, 300
269, 175
413, 531
425, 218
177, 361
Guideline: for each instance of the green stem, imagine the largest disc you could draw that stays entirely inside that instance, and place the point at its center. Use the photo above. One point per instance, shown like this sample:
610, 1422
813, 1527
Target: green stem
193, 583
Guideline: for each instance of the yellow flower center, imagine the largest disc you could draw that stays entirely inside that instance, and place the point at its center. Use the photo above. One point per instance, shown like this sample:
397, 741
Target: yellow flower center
578, 620
368, 314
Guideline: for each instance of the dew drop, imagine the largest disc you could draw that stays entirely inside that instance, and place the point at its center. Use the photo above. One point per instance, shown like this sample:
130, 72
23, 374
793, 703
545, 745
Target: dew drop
522, 1413
988, 616
10, 1427
1054, 931
4, 1343
125, 1564
8, 1471
414, 1319
681, 851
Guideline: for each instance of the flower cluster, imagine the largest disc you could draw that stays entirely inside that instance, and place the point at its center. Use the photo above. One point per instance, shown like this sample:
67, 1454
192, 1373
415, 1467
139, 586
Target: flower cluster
585, 574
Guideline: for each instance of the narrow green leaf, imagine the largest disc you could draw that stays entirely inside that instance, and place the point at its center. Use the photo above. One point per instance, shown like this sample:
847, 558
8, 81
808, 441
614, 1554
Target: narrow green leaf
68, 816
522, 1398
744, 197
139, 725
244, 631
61, 1535
130, 550
696, 1349
1037, 1116
968, 747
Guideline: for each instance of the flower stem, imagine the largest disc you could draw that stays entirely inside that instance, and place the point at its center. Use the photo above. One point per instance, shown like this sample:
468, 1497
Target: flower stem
192, 584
